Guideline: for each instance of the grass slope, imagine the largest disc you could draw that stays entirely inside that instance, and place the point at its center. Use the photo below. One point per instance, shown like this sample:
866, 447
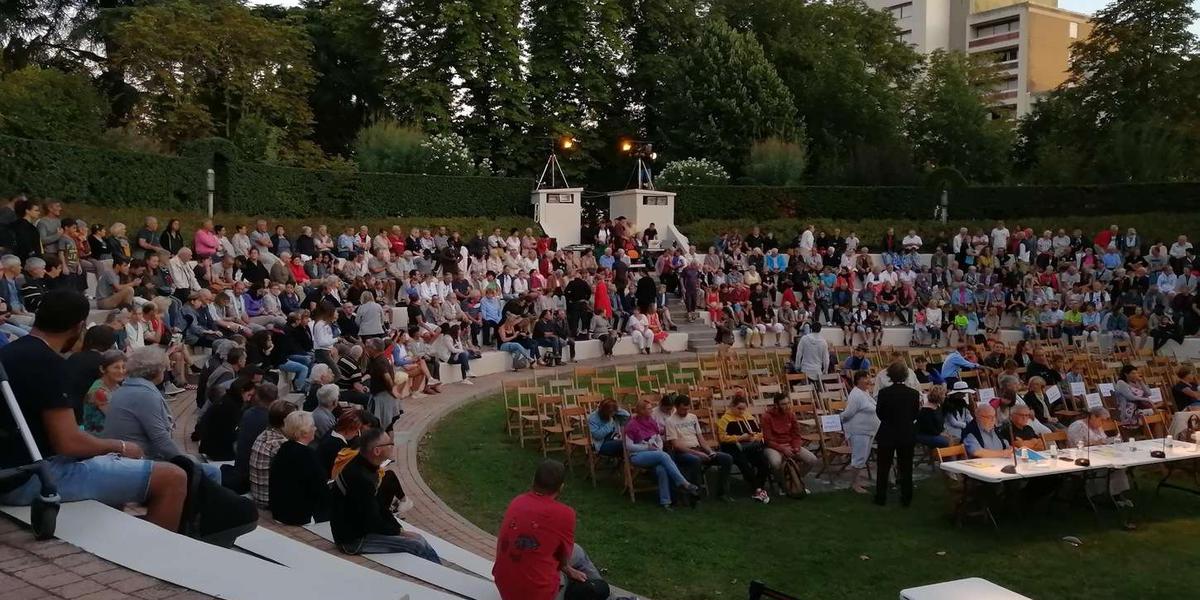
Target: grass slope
834, 545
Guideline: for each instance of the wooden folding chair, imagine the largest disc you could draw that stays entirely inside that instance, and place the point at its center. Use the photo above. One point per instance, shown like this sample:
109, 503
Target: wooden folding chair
1056, 438
1154, 426
548, 407
634, 477
600, 384
834, 448
513, 408
573, 421
963, 488
531, 421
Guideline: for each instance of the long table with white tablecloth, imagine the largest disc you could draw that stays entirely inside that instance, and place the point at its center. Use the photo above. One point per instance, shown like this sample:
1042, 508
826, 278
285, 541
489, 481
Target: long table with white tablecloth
1112, 456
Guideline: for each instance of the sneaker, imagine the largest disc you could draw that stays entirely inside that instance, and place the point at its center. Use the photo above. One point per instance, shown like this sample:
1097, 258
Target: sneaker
467, 382
761, 495
419, 395
433, 381
171, 389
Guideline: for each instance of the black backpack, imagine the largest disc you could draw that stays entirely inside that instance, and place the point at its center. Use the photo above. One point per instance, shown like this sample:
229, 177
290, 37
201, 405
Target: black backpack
212, 512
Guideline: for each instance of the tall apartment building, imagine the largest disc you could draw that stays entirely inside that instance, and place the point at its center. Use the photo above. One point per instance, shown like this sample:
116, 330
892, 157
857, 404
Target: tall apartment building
1029, 40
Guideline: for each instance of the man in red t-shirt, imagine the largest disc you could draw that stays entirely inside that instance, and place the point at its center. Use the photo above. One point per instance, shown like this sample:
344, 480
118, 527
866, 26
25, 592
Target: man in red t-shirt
536, 542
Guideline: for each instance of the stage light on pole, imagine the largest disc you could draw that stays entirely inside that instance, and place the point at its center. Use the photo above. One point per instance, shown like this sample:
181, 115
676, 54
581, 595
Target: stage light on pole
566, 142
626, 146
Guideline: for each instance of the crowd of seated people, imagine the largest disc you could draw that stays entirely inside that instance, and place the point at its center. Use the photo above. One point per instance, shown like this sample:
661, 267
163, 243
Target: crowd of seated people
1116, 286
313, 314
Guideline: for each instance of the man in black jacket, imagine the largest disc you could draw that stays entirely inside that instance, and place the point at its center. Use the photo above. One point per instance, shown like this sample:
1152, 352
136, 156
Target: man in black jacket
360, 524
897, 409
578, 294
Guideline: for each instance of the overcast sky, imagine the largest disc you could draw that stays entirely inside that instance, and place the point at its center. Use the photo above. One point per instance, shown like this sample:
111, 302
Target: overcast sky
1083, 6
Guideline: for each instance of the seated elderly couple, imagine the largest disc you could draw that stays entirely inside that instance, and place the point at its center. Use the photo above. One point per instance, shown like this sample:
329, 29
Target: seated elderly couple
985, 437
669, 440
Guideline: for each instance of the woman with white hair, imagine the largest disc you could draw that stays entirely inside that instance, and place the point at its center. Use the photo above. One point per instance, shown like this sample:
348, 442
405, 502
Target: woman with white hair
298, 494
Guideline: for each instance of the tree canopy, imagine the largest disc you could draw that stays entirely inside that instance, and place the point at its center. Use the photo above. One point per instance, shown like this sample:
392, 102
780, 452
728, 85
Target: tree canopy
822, 92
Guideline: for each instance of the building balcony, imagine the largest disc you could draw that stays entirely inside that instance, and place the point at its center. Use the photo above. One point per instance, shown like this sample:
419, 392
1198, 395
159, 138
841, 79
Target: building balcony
994, 39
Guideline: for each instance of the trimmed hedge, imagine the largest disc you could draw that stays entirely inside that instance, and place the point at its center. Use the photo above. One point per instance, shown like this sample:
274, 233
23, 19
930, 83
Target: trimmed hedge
990, 202
282, 191
98, 176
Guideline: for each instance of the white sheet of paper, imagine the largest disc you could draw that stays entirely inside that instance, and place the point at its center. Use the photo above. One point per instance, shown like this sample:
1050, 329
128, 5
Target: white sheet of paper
1156, 395
1106, 389
1078, 388
1093, 400
986, 394
831, 423
1053, 393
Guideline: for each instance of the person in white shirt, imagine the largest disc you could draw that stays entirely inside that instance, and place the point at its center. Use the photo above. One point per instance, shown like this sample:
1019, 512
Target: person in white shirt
1179, 248
959, 244
806, 241
912, 241
183, 277
691, 452
851, 242
882, 380
1000, 238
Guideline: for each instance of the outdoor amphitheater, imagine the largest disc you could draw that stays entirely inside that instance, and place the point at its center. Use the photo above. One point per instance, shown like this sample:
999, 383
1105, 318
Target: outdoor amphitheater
595, 299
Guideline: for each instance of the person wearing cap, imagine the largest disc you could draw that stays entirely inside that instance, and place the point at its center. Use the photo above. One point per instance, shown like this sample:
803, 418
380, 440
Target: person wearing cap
857, 361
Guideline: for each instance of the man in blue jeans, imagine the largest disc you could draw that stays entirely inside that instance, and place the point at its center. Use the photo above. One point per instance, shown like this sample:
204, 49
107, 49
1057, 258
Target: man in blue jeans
86, 467
360, 523
691, 452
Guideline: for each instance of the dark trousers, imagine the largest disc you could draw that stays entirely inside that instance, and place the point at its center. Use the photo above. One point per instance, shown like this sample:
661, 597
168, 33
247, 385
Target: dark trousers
579, 318
608, 341
489, 328
751, 460
904, 464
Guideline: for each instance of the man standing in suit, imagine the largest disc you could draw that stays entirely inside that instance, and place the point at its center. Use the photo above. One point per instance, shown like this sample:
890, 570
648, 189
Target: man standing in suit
897, 408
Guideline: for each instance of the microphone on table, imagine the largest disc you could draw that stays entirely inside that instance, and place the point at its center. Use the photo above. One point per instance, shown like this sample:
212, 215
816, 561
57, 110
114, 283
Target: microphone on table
1011, 469
1086, 461
1161, 453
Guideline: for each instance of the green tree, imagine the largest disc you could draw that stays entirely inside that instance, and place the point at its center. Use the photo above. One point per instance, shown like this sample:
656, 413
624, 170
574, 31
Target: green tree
390, 148
659, 30
1127, 110
777, 162
47, 104
487, 56
724, 96
206, 65
948, 119
575, 49
847, 72
423, 45
354, 72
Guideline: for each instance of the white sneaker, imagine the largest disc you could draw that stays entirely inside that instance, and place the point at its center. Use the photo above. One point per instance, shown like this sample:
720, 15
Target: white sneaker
171, 389
419, 395
433, 381
467, 382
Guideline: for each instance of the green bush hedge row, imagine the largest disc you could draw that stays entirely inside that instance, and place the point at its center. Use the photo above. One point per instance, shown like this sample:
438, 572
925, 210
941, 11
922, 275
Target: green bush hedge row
282, 191
993, 202
99, 176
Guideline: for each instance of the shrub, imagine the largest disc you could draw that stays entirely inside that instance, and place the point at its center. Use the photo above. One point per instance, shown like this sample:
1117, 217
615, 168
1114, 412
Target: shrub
283, 191
692, 171
101, 177
388, 147
47, 104
447, 154
777, 162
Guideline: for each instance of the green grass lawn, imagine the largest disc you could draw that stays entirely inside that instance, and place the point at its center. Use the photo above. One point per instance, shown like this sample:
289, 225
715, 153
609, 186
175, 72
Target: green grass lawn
833, 545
